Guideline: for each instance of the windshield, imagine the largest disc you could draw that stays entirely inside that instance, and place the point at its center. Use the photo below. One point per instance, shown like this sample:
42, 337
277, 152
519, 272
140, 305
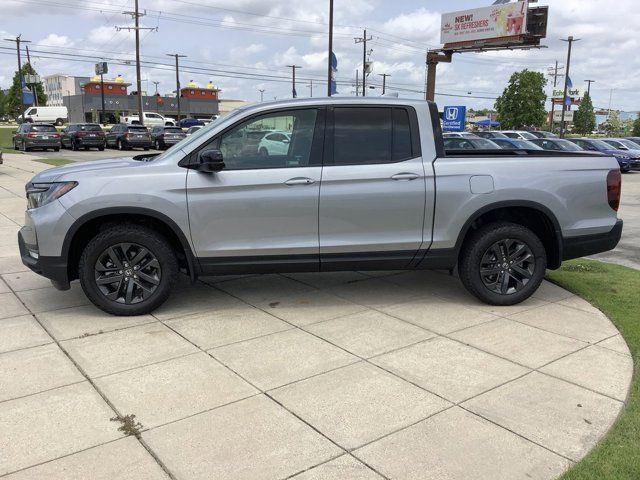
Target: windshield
203, 132
483, 144
630, 145
528, 136
567, 145
517, 144
600, 145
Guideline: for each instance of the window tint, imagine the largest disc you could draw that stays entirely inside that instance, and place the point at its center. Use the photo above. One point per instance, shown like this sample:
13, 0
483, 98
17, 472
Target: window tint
43, 128
88, 128
171, 129
511, 134
138, 129
362, 136
242, 147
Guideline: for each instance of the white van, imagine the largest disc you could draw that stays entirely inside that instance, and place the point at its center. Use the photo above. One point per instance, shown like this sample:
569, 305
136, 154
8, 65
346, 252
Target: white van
150, 120
57, 115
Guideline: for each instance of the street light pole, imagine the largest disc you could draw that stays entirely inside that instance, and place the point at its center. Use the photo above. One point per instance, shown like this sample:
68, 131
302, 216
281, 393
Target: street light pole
293, 79
589, 82
177, 56
329, 66
363, 40
384, 82
570, 41
261, 94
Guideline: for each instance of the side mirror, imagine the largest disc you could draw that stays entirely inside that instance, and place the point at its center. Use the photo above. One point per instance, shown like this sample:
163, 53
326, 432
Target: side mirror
210, 161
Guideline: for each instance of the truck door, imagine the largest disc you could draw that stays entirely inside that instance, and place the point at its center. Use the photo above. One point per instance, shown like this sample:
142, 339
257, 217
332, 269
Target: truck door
373, 190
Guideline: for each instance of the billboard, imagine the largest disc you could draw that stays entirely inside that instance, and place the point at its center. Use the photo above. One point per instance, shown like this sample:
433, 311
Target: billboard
496, 21
453, 118
568, 116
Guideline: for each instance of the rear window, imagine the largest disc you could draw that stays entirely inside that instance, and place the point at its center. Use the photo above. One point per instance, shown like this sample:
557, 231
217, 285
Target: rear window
138, 129
43, 128
89, 128
173, 130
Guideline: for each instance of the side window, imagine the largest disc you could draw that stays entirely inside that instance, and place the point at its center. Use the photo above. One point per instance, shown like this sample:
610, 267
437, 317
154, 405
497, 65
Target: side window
242, 147
362, 135
401, 135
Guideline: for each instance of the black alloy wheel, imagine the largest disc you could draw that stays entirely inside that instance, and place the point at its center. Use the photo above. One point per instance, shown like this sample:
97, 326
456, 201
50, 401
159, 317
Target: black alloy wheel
507, 266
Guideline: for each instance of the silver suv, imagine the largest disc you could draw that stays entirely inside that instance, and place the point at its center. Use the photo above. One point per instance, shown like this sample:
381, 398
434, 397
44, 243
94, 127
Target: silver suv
353, 188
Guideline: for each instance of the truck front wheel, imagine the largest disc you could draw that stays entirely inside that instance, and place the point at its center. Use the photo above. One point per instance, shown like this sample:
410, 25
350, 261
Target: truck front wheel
502, 263
128, 270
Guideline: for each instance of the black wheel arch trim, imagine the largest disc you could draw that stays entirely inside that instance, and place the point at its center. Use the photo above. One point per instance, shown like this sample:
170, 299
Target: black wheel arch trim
192, 263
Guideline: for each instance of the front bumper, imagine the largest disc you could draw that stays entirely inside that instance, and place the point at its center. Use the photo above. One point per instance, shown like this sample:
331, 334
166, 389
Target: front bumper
585, 245
53, 268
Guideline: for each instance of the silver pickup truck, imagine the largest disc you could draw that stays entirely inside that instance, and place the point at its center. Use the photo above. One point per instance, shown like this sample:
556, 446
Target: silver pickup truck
318, 185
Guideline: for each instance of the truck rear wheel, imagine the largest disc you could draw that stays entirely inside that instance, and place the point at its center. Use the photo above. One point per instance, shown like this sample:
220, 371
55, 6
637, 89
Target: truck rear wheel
502, 263
128, 270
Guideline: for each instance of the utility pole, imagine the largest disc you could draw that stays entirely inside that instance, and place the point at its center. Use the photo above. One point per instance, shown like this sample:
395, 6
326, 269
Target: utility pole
177, 56
155, 82
364, 40
329, 66
555, 76
261, 95
311, 87
18, 41
570, 41
357, 84
589, 82
433, 58
136, 18
384, 82
293, 79
33, 85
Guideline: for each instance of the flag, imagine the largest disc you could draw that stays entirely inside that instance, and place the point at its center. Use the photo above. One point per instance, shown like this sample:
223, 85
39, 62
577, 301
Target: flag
567, 100
334, 69
569, 83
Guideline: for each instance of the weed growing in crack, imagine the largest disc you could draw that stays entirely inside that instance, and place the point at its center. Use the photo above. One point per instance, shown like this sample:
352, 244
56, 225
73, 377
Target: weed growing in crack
129, 425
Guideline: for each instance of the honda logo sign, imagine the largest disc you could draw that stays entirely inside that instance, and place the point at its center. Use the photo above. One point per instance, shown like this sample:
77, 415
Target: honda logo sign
454, 119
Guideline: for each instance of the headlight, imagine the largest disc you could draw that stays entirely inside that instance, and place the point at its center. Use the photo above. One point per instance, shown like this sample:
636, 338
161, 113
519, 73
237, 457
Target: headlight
623, 157
39, 194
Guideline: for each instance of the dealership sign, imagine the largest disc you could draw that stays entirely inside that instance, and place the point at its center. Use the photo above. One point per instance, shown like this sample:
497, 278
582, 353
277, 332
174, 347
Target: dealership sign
453, 119
496, 21
571, 93
568, 116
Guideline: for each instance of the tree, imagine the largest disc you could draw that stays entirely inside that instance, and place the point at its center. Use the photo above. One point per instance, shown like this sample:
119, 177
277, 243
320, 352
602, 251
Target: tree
3, 102
522, 102
13, 97
584, 121
613, 126
635, 132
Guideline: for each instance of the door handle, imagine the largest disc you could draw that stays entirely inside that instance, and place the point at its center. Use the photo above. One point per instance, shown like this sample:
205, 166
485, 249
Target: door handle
405, 176
299, 181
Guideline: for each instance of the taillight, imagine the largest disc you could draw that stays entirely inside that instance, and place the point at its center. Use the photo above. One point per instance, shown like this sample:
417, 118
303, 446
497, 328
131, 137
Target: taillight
614, 188
56, 135
81, 134
32, 135
127, 135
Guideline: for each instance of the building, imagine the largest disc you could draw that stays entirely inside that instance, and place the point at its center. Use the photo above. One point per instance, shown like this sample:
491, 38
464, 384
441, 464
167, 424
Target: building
227, 106
59, 86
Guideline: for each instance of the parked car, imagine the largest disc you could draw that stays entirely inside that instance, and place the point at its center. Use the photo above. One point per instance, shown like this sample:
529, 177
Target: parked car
150, 120
470, 144
193, 130
557, 144
190, 122
274, 143
30, 136
459, 135
516, 144
82, 135
57, 115
164, 137
125, 137
383, 195
635, 140
631, 149
597, 145
490, 134
542, 134
519, 134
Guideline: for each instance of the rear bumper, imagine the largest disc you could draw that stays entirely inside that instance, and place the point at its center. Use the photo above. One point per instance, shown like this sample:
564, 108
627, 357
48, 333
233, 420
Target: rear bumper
584, 245
53, 268
90, 142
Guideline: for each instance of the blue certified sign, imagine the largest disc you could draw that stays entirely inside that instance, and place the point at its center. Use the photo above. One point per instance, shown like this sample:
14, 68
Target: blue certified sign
453, 119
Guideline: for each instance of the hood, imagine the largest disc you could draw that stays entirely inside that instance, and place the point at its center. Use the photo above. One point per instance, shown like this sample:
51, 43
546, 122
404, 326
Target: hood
616, 152
71, 171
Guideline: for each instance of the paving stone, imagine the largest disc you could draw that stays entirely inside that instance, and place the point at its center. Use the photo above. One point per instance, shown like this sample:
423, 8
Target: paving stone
11, 306
32, 370
124, 459
342, 468
252, 439
85, 321
357, 404
552, 293
195, 299
580, 304
214, 329
263, 288
563, 417
617, 344
326, 279
569, 322
124, 349
21, 281
50, 298
21, 332
369, 333
437, 315
450, 369
12, 264
48, 425
596, 368
275, 360
457, 445
151, 392
375, 292
518, 342
4, 288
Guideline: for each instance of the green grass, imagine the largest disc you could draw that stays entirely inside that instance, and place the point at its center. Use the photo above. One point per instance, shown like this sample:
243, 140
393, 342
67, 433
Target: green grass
54, 161
6, 138
615, 290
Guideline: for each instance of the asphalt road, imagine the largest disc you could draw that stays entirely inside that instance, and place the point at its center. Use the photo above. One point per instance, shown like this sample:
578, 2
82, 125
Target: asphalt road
627, 253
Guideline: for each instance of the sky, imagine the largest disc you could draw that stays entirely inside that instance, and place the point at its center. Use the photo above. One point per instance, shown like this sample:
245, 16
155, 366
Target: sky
244, 46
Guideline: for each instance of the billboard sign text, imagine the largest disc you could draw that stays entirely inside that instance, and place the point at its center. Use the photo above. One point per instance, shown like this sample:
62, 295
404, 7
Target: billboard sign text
453, 119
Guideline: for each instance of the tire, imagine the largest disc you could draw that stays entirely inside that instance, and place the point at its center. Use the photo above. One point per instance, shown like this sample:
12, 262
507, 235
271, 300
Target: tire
483, 247
56, 149
156, 145
119, 144
263, 152
146, 149
59, 122
127, 300
101, 149
74, 145
15, 146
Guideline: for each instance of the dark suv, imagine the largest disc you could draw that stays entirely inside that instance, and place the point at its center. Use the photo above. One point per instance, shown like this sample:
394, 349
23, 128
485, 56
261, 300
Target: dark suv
124, 137
36, 135
82, 135
164, 137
